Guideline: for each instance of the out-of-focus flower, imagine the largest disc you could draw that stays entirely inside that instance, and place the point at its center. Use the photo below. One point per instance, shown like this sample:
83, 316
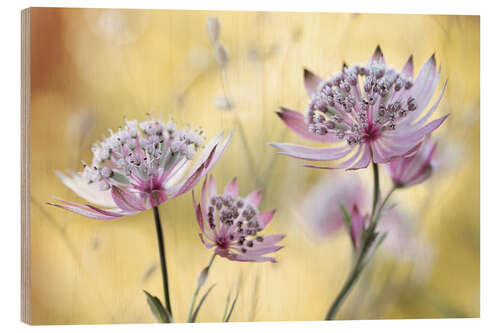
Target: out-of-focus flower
135, 169
324, 216
404, 243
232, 224
414, 169
375, 111
322, 205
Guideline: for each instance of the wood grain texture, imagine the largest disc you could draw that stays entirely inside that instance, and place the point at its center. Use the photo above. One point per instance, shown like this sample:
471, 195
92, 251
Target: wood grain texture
90, 68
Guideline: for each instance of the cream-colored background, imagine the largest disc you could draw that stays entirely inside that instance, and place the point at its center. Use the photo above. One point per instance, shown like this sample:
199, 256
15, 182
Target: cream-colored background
90, 68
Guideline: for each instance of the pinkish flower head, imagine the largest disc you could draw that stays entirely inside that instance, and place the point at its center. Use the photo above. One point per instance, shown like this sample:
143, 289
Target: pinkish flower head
141, 166
232, 224
373, 111
324, 216
414, 169
322, 205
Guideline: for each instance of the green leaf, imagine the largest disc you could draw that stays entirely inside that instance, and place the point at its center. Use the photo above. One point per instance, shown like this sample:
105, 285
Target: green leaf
159, 312
228, 298
198, 307
232, 308
347, 217
381, 240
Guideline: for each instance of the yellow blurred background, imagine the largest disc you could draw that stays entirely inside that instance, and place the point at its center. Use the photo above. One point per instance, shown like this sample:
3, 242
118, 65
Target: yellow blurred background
90, 68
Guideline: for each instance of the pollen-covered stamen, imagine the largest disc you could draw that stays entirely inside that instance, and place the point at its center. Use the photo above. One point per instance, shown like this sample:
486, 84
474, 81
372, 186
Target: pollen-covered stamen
140, 153
235, 220
360, 102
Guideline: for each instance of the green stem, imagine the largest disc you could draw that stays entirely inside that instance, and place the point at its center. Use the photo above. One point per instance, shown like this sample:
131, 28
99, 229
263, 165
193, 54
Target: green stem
367, 240
376, 188
384, 202
198, 287
163, 261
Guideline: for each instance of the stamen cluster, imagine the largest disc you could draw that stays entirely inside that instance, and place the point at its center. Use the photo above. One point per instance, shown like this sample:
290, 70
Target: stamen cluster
238, 219
138, 153
360, 102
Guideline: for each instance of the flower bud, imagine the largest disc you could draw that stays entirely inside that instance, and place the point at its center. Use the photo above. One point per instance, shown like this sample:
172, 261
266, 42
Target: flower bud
221, 54
213, 29
202, 278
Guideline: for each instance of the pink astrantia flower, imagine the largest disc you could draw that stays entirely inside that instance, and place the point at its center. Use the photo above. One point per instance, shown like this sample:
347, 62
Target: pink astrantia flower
232, 224
372, 112
324, 216
139, 167
414, 169
322, 206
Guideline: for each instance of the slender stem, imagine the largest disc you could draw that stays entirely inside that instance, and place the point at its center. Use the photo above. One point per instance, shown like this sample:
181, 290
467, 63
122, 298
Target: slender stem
366, 242
163, 260
346, 288
376, 189
377, 217
198, 287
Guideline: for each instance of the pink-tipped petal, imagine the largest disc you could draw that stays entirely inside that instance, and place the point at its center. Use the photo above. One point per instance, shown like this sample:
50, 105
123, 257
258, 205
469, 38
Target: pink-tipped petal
262, 250
220, 149
199, 214
378, 56
232, 188
207, 244
88, 210
429, 113
88, 192
419, 134
254, 198
363, 161
126, 200
342, 165
271, 240
195, 176
408, 67
311, 154
266, 217
426, 78
295, 121
357, 223
311, 82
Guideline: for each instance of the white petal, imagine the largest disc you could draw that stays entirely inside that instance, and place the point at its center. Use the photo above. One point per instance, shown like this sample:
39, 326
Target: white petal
89, 192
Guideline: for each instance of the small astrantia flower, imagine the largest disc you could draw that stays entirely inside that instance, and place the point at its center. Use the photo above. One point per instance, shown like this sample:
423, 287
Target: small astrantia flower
374, 112
414, 169
325, 220
232, 224
139, 167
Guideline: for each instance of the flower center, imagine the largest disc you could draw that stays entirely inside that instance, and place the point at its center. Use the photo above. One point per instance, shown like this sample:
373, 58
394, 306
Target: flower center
372, 132
356, 114
233, 220
141, 155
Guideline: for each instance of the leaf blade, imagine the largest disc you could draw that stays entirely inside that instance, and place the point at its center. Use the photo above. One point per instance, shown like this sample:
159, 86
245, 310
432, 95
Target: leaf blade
198, 307
157, 310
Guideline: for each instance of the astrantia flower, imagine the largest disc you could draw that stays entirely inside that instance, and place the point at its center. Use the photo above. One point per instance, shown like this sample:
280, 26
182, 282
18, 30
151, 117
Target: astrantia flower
139, 167
327, 218
374, 112
321, 207
232, 224
414, 169
324, 203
